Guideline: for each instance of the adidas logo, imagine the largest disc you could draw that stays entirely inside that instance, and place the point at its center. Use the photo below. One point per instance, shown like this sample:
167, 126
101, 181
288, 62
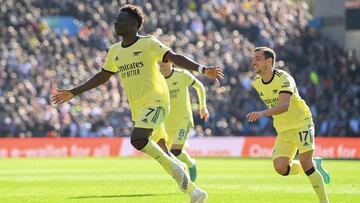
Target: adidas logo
175, 83
305, 144
116, 58
145, 120
275, 91
137, 53
261, 94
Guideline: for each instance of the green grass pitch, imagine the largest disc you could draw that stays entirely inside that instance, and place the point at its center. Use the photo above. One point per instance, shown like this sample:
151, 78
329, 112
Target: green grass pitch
140, 180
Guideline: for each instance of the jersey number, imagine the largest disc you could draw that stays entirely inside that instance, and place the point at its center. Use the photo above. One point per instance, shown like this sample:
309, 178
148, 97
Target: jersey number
181, 134
305, 137
156, 114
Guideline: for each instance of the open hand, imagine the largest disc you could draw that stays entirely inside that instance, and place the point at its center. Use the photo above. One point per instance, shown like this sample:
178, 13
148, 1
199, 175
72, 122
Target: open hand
254, 116
204, 114
61, 96
215, 73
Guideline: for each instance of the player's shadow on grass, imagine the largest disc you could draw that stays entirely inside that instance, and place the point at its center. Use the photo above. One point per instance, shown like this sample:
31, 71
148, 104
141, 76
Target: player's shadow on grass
122, 196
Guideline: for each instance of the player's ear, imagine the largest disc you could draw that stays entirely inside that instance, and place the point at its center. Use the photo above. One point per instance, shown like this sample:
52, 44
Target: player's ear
133, 23
269, 61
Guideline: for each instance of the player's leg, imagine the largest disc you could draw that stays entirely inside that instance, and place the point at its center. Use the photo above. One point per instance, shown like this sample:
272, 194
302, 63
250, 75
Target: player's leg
162, 144
144, 139
196, 194
306, 147
140, 140
149, 129
314, 176
178, 139
324, 173
182, 155
284, 152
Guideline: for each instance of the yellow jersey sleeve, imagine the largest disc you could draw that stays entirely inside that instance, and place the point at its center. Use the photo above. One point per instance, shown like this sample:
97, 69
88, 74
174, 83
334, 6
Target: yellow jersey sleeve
158, 49
200, 90
255, 83
188, 78
109, 64
286, 83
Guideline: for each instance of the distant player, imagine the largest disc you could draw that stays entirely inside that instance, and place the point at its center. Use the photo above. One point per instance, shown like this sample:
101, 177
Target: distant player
292, 121
180, 120
135, 60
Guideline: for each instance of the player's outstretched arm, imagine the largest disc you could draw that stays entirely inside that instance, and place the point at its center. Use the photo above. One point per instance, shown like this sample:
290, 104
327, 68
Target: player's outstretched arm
200, 90
182, 61
283, 106
63, 95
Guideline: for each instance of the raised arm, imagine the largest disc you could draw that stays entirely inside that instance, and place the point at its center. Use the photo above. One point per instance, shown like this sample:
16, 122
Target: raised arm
63, 95
283, 106
200, 90
182, 61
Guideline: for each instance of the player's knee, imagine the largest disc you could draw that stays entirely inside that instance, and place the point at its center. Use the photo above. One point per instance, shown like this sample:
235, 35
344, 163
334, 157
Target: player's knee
139, 143
282, 168
176, 152
139, 137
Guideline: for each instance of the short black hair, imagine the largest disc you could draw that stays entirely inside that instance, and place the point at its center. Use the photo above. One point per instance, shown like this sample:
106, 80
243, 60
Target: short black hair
268, 53
135, 12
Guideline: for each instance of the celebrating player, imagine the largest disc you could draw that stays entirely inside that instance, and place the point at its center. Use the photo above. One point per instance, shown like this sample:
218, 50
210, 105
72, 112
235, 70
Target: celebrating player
292, 121
180, 119
135, 60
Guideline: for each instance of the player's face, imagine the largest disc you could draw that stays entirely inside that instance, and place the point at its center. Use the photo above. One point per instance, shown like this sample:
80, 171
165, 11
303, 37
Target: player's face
125, 24
258, 61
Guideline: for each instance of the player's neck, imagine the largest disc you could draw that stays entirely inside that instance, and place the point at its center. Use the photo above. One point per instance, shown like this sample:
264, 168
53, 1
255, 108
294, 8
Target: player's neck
129, 39
267, 75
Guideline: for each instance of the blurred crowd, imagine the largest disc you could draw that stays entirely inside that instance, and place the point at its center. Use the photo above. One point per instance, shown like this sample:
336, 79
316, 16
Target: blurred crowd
34, 61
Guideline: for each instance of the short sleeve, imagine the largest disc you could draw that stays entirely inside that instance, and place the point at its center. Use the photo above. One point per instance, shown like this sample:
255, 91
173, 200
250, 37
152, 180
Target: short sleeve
109, 64
157, 49
189, 79
287, 84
